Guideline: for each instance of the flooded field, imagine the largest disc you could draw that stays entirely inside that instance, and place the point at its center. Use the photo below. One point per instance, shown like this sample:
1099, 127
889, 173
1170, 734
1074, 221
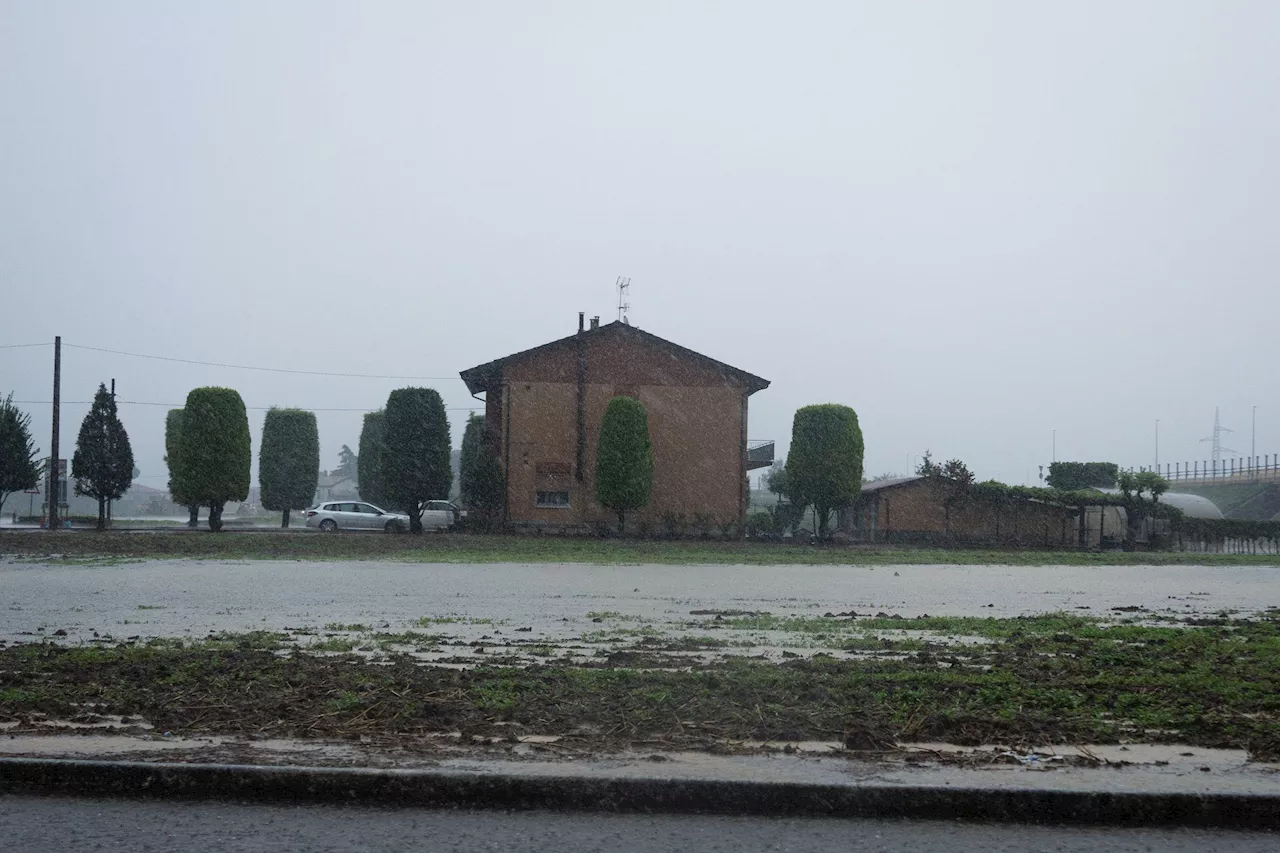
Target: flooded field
608, 657
464, 615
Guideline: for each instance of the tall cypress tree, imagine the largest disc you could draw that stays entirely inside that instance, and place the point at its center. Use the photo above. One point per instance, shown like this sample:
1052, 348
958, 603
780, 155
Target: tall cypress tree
824, 464
102, 465
179, 491
289, 460
624, 458
480, 471
215, 450
416, 464
373, 435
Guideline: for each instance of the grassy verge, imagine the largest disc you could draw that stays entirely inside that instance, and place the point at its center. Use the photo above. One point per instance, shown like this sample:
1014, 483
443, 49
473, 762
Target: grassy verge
1033, 683
459, 548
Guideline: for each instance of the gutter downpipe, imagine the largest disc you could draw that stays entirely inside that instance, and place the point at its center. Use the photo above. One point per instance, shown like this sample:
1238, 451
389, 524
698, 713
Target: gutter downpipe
506, 453
581, 448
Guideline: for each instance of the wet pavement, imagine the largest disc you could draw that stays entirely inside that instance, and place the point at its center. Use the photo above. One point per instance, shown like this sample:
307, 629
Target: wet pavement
1127, 767
63, 825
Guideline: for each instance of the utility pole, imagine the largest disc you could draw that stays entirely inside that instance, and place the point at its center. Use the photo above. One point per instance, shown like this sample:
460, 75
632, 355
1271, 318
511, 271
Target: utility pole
113, 401
52, 493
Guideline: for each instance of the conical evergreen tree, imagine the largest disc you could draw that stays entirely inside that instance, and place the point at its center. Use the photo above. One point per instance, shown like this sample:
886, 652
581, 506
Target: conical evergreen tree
103, 462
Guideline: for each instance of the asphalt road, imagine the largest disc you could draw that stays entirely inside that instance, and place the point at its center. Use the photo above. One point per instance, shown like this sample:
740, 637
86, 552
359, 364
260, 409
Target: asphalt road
58, 825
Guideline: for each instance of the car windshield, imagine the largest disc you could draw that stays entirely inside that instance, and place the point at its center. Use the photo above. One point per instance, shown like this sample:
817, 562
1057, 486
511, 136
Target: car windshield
870, 408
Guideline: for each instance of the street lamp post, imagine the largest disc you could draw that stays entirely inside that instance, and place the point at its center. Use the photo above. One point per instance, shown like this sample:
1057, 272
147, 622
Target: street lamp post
1157, 445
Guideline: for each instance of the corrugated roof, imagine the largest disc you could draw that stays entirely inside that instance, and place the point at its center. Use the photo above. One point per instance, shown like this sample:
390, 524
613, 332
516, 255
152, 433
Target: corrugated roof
887, 484
1192, 506
484, 376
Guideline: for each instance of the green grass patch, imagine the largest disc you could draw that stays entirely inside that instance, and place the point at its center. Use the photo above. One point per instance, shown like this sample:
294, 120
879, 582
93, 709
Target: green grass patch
620, 635
345, 626
944, 626
101, 548
430, 621
419, 642
614, 616
333, 644
345, 701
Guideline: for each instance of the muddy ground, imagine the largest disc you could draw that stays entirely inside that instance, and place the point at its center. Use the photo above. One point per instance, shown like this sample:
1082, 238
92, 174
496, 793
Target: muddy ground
591, 658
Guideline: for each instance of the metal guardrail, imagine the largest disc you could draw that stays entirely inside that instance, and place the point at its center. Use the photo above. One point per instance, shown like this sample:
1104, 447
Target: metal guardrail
1241, 470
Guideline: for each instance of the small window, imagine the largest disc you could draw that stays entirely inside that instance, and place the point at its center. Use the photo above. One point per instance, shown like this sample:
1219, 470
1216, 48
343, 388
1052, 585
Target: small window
557, 500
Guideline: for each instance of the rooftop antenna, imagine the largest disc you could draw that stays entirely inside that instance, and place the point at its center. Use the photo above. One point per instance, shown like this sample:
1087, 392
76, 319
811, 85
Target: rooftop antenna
1218, 430
624, 288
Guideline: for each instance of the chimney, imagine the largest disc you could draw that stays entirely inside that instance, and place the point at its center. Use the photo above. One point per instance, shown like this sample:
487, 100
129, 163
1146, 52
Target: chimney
582, 315
595, 323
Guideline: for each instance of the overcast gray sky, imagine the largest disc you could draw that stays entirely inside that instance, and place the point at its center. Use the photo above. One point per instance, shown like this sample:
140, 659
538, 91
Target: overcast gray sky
974, 222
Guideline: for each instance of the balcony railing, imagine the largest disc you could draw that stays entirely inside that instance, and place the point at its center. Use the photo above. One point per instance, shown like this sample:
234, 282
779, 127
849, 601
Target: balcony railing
759, 454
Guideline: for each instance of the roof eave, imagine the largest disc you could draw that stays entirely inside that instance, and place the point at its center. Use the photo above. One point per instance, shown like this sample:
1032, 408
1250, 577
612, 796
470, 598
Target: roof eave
485, 376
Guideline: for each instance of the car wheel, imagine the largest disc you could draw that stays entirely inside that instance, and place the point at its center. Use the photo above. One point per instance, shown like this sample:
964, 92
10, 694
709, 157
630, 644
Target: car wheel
328, 525
393, 527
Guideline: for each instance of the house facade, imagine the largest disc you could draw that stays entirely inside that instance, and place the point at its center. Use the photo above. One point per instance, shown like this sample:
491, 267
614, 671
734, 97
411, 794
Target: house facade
544, 406
336, 487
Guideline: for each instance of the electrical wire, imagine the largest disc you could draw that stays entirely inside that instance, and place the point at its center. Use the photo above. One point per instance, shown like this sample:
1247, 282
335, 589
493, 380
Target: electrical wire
250, 408
253, 367
22, 346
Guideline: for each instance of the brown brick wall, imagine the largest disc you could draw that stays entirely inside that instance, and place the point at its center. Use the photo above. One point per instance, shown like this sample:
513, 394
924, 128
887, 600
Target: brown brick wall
696, 424
918, 510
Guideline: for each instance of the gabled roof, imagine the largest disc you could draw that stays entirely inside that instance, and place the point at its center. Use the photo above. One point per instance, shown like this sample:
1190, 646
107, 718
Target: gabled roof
485, 376
328, 481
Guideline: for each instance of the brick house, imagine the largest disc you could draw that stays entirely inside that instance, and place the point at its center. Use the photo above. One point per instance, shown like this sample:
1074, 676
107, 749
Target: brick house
916, 509
543, 409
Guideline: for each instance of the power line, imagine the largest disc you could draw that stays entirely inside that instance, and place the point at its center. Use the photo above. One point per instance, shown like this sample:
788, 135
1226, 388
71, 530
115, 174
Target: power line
23, 346
253, 367
250, 408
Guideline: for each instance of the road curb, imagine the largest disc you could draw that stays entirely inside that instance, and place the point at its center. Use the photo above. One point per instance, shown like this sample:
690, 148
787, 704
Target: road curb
463, 789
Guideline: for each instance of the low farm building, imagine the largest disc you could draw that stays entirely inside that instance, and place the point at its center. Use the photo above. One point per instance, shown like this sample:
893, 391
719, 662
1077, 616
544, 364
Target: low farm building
920, 509
544, 406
